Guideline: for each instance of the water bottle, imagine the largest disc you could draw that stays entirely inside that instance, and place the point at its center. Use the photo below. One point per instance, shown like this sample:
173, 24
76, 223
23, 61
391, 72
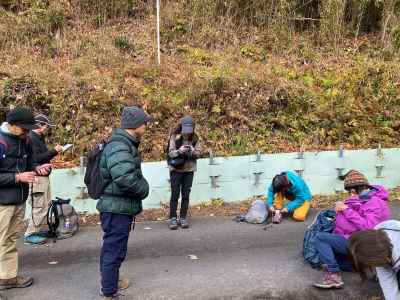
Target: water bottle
67, 224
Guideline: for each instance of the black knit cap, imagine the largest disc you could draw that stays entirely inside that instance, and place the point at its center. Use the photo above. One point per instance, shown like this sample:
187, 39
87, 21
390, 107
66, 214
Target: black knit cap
21, 117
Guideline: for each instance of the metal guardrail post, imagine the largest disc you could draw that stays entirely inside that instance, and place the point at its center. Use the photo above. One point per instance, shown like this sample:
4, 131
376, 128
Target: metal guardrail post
341, 151
82, 164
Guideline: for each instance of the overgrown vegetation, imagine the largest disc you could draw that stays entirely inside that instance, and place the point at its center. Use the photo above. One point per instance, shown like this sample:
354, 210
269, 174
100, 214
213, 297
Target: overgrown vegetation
257, 75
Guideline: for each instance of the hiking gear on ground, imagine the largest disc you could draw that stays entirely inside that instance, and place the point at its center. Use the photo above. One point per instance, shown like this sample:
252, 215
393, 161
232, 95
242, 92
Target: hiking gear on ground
17, 282
62, 219
35, 239
324, 222
173, 224
184, 223
257, 213
330, 281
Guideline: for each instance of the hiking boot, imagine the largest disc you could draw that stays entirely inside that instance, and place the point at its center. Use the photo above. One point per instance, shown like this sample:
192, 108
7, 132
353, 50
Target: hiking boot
43, 233
116, 296
330, 281
277, 217
173, 224
184, 223
35, 239
16, 282
123, 284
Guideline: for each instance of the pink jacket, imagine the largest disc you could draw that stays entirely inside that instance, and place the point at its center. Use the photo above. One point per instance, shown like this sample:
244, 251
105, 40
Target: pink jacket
365, 212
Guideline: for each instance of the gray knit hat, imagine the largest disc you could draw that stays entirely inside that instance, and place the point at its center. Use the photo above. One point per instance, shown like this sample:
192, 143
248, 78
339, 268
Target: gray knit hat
133, 117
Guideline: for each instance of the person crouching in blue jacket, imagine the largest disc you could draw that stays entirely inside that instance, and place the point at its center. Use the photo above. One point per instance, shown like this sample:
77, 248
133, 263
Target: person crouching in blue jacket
290, 186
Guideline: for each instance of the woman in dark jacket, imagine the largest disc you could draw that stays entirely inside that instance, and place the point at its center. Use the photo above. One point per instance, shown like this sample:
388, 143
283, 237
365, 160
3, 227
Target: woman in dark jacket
183, 150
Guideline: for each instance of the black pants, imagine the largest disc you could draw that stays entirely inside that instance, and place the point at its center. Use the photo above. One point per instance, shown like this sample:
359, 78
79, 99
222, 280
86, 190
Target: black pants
181, 183
116, 229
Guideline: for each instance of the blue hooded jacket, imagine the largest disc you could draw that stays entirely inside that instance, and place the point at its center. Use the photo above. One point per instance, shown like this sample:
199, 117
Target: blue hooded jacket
299, 190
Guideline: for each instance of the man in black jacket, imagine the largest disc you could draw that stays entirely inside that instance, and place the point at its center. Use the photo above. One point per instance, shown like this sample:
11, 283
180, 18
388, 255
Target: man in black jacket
17, 171
41, 188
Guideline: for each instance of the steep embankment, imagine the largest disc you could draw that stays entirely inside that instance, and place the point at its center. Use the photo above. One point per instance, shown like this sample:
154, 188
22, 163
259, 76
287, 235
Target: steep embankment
250, 87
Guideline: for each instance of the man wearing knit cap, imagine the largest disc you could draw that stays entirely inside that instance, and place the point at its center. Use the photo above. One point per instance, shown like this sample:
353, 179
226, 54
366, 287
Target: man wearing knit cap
122, 197
41, 192
366, 208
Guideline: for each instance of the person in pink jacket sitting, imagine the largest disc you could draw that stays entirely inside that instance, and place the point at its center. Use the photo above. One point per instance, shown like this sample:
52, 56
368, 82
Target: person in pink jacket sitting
367, 207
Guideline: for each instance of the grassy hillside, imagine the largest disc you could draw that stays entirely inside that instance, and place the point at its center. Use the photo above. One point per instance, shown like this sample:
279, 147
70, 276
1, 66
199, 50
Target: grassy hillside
256, 76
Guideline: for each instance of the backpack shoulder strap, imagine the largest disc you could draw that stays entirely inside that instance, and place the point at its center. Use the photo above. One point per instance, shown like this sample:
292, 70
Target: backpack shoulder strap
389, 229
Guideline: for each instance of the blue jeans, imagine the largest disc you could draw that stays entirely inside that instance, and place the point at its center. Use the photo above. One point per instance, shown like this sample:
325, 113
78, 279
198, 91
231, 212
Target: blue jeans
332, 250
116, 229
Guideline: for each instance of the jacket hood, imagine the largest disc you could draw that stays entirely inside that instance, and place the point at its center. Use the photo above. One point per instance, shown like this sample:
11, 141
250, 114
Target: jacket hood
375, 191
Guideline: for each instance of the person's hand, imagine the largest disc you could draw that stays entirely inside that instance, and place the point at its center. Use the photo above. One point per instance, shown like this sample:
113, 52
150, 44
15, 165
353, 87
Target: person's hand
43, 170
284, 211
183, 149
340, 206
26, 177
58, 148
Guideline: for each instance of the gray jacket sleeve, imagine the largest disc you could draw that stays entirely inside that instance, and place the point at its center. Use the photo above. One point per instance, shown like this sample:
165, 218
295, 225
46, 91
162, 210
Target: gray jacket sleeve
388, 282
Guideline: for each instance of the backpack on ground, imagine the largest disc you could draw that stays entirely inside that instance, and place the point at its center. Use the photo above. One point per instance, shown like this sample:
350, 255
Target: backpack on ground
324, 222
257, 213
93, 180
62, 219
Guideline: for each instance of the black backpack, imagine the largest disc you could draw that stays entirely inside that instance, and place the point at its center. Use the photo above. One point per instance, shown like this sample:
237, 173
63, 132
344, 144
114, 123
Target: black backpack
94, 181
62, 219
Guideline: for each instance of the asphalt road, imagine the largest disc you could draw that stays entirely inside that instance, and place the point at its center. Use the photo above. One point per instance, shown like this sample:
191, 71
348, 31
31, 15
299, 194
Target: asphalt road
235, 261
